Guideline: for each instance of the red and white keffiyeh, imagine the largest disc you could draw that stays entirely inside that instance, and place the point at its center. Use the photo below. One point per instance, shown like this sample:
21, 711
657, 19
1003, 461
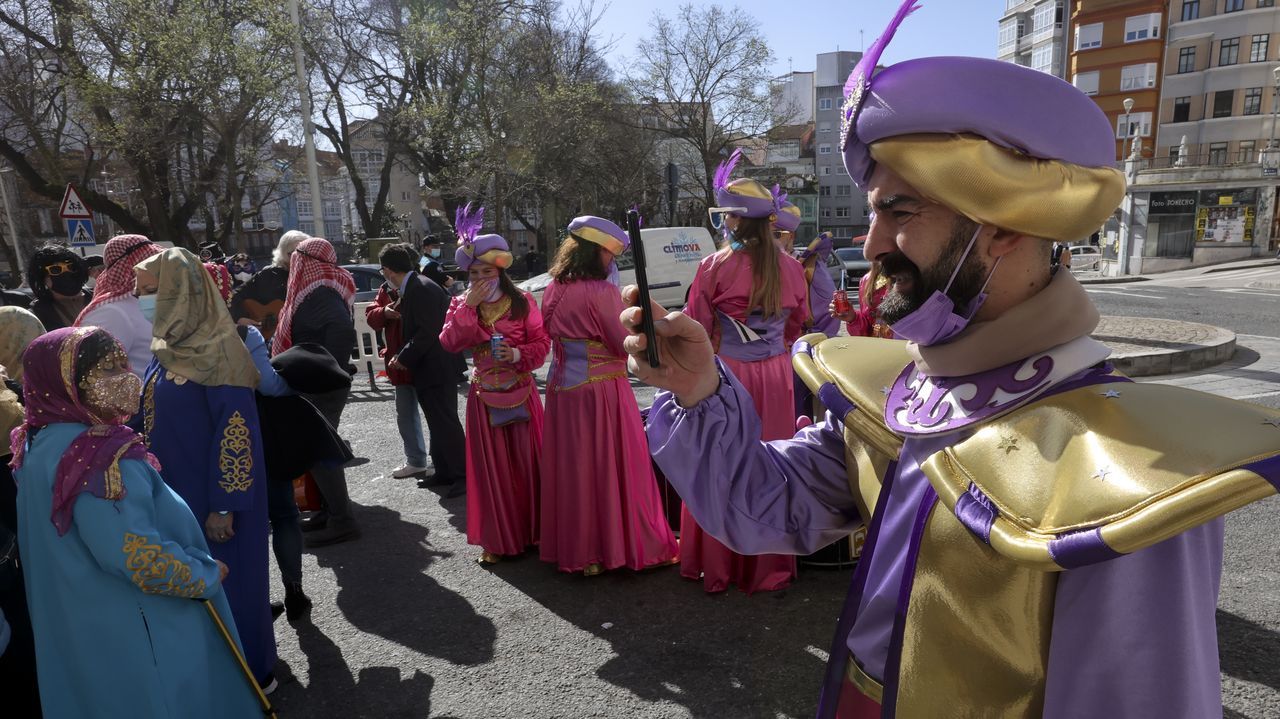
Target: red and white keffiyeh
116, 281
312, 266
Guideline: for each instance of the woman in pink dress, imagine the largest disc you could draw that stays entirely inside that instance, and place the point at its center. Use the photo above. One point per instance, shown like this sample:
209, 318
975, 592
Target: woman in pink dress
600, 503
752, 300
503, 329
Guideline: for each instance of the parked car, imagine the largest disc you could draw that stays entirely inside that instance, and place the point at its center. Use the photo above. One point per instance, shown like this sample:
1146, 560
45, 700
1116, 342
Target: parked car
855, 263
1085, 258
368, 279
673, 254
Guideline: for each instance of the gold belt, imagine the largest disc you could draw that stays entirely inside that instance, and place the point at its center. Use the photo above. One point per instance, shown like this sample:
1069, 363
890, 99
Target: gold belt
869, 687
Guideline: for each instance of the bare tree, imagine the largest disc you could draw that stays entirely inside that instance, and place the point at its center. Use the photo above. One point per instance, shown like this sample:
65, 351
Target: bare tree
702, 79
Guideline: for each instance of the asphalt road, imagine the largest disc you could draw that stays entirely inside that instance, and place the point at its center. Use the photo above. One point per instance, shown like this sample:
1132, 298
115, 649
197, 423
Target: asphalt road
407, 625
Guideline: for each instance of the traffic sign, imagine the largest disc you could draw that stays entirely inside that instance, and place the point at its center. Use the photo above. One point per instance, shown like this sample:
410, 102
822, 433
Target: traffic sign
73, 207
80, 233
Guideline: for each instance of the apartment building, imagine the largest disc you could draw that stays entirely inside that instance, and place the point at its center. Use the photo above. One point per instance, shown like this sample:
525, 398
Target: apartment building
842, 209
1117, 54
1219, 86
1032, 34
792, 96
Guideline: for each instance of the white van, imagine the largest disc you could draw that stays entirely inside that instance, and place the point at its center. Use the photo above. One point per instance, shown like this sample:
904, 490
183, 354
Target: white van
673, 254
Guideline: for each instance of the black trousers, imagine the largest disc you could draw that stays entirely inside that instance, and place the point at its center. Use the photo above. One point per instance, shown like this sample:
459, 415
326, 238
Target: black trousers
439, 404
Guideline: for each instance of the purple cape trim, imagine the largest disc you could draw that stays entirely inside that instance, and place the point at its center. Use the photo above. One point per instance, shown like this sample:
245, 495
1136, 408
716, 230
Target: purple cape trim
894, 664
829, 700
1079, 549
976, 512
1268, 469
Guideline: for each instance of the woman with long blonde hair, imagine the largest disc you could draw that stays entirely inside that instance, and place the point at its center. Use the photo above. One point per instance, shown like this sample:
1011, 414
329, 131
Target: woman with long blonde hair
752, 300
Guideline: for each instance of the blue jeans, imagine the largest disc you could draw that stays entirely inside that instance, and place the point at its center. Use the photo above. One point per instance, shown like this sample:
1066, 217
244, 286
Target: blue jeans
286, 534
409, 420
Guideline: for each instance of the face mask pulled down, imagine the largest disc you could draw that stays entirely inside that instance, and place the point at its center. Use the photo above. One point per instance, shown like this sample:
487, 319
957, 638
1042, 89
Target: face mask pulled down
935, 321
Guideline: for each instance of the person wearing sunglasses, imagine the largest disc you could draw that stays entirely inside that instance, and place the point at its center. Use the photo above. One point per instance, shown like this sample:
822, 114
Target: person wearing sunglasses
57, 277
751, 299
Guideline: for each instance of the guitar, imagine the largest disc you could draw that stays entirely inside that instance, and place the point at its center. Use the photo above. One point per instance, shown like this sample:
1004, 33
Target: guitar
266, 315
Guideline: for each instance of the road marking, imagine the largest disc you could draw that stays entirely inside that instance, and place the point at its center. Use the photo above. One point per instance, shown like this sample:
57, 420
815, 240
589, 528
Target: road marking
1127, 293
1259, 395
1268, 294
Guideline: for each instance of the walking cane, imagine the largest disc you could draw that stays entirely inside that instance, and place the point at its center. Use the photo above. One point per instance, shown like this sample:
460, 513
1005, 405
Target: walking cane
267, 709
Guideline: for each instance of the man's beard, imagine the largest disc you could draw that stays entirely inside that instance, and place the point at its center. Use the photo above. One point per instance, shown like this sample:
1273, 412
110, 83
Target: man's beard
895, 305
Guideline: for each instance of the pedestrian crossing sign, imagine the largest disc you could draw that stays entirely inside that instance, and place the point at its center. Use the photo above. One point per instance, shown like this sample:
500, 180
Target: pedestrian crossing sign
80, 233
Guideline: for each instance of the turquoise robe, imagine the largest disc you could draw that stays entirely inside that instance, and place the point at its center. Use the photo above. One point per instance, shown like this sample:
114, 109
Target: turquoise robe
119, 632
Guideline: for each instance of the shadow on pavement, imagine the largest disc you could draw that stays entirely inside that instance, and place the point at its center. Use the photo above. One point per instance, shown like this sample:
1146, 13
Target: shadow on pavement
376, 693
750, 653
1248, 651
383, 589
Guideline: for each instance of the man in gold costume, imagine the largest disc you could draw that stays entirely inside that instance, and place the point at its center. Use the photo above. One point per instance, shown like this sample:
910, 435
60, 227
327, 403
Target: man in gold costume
1044, 536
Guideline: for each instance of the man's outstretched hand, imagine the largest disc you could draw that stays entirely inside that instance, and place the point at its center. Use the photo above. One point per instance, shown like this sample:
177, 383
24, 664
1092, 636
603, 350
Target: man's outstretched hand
687, 360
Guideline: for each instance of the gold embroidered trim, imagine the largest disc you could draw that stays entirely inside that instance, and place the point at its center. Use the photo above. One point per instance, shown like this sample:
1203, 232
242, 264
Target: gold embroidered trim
149, 408
157, 572
490, 312
869, 687
235, 460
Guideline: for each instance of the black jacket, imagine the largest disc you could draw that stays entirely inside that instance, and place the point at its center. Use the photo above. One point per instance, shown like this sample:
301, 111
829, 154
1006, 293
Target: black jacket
46, 310
422, 311
434, 271
323, 319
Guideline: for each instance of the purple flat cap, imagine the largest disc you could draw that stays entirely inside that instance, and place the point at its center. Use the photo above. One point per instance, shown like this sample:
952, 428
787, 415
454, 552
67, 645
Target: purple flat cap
755, 199
788, 217
1025, 110
484, 248
601, 232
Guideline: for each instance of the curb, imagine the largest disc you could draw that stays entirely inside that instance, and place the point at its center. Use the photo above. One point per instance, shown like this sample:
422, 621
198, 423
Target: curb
1113, 280
1158, 352
1266, 263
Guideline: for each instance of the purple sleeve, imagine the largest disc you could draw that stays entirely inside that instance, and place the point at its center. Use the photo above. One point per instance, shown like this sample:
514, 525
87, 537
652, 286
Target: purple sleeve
821, 290
782, 497
1137, 635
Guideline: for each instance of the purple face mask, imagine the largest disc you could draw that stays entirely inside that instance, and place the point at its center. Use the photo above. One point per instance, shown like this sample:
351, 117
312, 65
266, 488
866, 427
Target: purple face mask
614, 276
935, 321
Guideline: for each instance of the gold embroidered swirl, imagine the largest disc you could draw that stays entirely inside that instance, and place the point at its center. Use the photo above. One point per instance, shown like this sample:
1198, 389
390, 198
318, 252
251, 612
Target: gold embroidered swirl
491, 312
149, 408
156, 571
235, 460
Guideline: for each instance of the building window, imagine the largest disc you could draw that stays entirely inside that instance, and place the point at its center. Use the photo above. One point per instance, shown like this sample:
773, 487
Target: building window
1266, 3
824, 127
1142, 27
824, 148
840, 170
1248, 151
1139, 125
824, 103
1253, 101
1218, 153
1187, 59
1008, 35
844, 190
826, 212
1182, 109
333, 230
1046, 19
304, 208
1173, 156
1258, 48
1190, 10
1222, 102
1088, 36
824, 191
1042, 59
1229, 52
842, 212
332, 208
1086, 82
307, 227
1136, 77
1232, 5
826, 170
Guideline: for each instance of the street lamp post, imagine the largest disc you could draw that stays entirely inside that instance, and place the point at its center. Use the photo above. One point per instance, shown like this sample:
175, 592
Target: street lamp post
1128, 130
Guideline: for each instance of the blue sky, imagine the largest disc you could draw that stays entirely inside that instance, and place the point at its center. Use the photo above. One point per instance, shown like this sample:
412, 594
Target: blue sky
800, 29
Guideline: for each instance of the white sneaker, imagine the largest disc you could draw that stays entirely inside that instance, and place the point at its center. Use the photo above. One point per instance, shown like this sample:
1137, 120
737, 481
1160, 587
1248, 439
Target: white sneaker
407, 471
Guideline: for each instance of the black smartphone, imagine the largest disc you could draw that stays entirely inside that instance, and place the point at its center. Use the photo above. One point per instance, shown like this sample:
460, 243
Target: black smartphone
642, 281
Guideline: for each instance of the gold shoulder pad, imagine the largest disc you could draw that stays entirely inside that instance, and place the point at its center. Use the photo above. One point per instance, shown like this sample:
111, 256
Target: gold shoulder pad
859, 369
1094, 473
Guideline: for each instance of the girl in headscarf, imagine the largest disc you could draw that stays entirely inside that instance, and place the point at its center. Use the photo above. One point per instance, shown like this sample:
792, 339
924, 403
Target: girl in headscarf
200, 418
752, 300
57, 277
112, 556
115, 307
600, 503
18, 328
503, 328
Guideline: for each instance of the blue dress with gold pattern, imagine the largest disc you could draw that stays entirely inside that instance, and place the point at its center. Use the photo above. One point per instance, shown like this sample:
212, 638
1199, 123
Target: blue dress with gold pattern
209, 445
117, 631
